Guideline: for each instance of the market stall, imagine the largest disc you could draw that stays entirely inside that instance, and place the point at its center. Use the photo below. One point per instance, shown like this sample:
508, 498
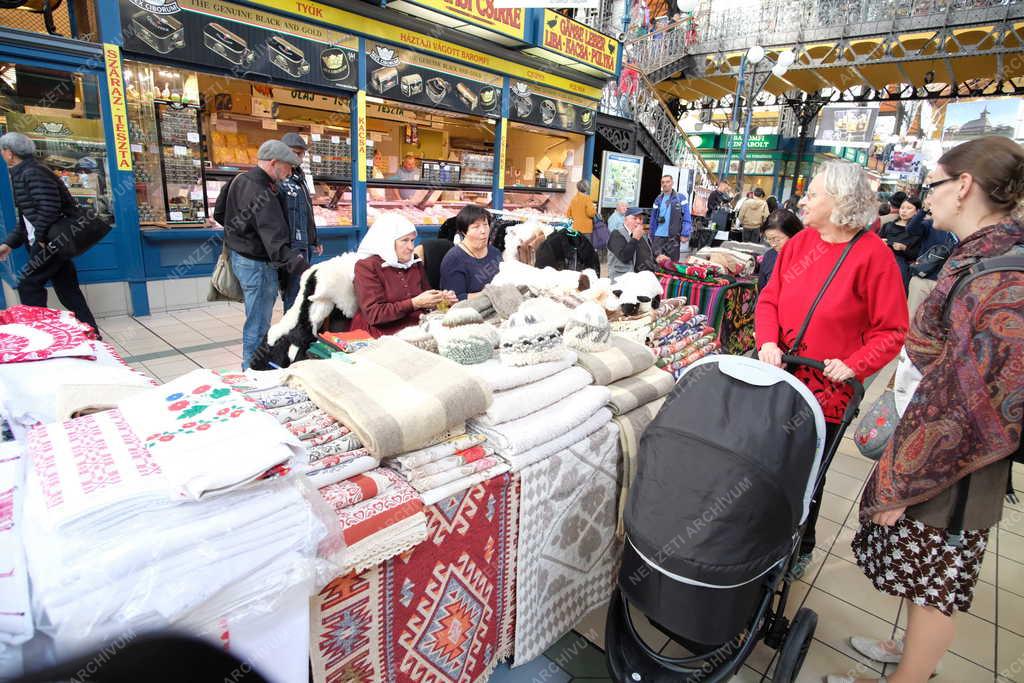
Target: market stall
449, 513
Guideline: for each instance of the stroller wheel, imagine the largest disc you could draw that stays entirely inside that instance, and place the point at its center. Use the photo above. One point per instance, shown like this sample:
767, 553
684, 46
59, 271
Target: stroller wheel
795, 647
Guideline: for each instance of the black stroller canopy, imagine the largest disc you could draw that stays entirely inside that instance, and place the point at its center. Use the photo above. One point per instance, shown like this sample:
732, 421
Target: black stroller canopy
726, 473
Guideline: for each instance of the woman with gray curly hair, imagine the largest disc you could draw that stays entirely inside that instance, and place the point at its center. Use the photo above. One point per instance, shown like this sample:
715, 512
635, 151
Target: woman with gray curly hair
861, 320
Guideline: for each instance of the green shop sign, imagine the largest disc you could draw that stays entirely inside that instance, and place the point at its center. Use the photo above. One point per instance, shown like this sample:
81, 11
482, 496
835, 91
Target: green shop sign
703, 140
862, 157
753, 142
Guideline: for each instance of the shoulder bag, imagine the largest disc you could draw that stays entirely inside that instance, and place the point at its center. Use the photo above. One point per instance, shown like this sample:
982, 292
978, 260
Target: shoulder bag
76, 231
224, 284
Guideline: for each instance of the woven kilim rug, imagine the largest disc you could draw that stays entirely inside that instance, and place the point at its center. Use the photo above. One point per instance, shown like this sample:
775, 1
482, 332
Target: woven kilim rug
441, 613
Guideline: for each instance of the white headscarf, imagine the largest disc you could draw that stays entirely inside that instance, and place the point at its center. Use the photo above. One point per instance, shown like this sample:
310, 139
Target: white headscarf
381, 237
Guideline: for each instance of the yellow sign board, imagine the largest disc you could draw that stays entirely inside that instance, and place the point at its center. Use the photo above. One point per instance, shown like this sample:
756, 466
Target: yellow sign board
578, 41
509, 21
361, 146
501, 154
420, 41
118, 112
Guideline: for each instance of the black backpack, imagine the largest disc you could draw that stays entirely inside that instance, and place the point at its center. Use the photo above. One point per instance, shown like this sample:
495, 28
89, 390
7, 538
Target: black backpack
1013, 260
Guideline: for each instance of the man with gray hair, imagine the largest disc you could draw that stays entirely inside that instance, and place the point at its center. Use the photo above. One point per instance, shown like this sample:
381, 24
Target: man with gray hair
257, 234
42, 200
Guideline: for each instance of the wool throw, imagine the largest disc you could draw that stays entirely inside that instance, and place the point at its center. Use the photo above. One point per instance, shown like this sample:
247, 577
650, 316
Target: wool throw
522, 401
412, 461
501, 377
451, 490
519, 436
567, 545
15, 605
631, 428
625, 358
599, 419
633, 392
395, 397
184, 421
442, 612
74, 399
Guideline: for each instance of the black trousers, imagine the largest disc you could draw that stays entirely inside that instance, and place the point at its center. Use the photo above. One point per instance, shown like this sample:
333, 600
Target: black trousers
809, 538
62, 275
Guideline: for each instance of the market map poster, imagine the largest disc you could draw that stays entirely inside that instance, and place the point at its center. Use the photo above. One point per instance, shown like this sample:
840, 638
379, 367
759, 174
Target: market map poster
620, 179
846, 126
421, 79
551, 108
247, 42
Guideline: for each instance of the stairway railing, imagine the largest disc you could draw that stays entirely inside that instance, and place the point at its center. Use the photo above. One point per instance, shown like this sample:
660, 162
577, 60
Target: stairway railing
655, 50
647, 109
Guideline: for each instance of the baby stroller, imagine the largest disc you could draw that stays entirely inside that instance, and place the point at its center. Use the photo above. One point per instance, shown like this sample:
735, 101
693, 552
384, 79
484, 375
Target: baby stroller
714, 521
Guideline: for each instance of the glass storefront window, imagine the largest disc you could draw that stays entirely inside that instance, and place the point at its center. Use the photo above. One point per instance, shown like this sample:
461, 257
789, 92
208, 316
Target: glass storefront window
60, 111
426, 164
542, 169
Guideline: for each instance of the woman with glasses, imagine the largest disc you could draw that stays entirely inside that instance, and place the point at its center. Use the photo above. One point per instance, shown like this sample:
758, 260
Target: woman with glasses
951, 446
776, 231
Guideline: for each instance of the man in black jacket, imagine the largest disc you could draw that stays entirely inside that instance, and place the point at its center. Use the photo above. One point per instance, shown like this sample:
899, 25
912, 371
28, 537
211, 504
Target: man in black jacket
637, 248
302, 225
41, 201
257, 234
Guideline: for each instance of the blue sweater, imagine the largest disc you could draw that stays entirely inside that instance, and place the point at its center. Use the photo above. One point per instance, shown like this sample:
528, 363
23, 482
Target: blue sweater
465, 275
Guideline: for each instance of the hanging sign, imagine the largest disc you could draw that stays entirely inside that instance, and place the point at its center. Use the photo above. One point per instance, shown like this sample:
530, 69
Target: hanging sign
753, 141
421, 79
551, 108
243, 40
579, 42
118, 112
361, 137
484, 13
501, 154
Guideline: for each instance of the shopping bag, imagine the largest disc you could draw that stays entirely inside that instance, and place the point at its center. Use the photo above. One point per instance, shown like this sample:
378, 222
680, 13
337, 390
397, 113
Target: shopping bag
599, 238
224, 285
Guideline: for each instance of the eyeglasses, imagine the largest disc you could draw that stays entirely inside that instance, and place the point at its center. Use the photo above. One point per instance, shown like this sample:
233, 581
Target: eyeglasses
928, 187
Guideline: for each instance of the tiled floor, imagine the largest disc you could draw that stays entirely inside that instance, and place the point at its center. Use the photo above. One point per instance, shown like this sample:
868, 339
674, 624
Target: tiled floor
989, 646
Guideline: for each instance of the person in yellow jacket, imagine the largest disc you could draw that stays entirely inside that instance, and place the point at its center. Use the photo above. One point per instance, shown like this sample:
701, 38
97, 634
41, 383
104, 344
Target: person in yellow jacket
582, 210
752, 216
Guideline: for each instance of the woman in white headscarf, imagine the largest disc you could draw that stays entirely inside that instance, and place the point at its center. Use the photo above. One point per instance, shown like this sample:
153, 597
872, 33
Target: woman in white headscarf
391, 283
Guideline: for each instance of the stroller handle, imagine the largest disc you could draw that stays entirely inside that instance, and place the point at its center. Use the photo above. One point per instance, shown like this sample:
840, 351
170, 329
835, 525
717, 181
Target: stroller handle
858, 389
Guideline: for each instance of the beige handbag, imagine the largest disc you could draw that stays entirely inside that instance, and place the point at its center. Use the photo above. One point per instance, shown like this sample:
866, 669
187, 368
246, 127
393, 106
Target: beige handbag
224, 286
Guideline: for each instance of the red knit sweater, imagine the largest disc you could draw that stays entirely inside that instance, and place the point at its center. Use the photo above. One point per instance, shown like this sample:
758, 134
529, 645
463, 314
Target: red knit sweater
385, 296
862, 319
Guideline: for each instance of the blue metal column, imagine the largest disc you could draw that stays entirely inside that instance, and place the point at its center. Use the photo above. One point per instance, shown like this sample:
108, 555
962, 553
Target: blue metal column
359, 145
501, 148
589, 149
122, 183
723, 174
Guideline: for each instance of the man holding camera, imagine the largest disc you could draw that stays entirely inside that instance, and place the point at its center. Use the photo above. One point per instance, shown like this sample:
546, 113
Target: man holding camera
670, 220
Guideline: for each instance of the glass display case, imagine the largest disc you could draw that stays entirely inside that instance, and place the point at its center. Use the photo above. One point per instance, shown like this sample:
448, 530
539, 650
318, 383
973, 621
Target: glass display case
181, 159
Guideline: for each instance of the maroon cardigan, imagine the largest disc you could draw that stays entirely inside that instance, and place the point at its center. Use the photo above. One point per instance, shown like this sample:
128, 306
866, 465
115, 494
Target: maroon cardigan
385, 296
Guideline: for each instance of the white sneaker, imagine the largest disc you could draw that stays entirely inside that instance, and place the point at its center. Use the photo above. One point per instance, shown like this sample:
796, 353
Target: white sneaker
883, 651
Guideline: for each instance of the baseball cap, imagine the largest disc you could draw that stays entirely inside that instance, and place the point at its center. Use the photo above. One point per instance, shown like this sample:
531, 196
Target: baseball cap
294, 140
635, 211
276, 150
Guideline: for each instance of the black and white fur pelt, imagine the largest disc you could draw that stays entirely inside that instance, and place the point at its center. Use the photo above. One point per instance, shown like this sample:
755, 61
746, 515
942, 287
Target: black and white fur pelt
637, 292
323, 288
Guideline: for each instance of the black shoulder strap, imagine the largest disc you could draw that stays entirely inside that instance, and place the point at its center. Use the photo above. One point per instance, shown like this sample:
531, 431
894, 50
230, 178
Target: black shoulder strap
1011, 261
821, 293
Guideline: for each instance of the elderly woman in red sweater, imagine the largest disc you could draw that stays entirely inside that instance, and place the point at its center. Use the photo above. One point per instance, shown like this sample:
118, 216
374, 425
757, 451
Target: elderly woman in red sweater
860, 322
391, 283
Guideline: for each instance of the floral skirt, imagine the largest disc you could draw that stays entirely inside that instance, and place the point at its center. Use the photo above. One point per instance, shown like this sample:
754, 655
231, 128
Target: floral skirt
911, 560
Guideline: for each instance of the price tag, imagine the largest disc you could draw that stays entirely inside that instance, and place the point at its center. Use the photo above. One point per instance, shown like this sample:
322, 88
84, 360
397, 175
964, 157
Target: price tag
317, 158
177, 216
722, 235
197, 195
315, 136
197, 162
137, 149
180, 151
335, 139
200, 214
269, 124
193, 137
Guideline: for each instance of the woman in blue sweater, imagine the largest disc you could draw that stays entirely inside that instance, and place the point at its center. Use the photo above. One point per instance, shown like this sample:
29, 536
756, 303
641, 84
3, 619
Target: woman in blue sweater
473, 262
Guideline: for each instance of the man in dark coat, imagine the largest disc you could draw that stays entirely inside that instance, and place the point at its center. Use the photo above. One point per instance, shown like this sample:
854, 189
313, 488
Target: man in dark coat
42, 200
257, 234
637, 249
302, 226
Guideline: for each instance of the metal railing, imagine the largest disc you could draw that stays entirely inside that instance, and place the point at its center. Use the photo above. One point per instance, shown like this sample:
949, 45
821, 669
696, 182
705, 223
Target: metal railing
660, 48
648, 109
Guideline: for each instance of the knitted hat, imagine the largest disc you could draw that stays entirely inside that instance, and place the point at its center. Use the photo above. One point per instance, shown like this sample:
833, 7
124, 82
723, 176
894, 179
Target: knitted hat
588, 329
546, 309
462, 315
468, 344
418, 337
529, 340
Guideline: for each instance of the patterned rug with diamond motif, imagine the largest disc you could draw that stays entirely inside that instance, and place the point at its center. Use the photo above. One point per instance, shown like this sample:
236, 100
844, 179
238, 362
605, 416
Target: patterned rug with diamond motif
441, 612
